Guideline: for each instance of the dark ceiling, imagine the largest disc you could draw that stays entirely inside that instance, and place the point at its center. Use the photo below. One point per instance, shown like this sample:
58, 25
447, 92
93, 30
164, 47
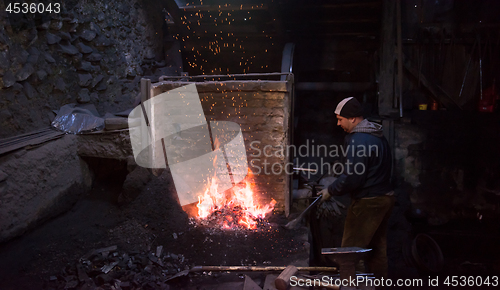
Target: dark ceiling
242, 36
249, 36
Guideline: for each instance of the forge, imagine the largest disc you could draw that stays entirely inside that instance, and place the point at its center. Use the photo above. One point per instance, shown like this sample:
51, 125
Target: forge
236, 129
211, 135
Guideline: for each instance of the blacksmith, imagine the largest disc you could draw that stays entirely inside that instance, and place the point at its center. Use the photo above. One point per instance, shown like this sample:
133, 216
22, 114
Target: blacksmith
366, 177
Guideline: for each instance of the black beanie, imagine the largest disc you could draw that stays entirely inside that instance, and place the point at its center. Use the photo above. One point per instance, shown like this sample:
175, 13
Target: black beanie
349, 108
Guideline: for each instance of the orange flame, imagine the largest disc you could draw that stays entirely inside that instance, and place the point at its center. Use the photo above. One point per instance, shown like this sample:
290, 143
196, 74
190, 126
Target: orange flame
242, 199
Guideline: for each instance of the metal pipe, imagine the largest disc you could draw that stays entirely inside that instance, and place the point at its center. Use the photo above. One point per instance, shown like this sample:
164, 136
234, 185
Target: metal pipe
162, 78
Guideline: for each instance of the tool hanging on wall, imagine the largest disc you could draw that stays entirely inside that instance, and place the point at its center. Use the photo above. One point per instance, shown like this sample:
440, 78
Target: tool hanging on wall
467, 69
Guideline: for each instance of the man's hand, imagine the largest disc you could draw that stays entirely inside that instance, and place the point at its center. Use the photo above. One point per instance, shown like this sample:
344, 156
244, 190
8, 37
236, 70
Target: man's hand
325, 195
329, 206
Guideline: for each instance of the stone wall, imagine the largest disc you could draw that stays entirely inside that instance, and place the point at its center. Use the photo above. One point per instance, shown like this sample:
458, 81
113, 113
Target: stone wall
261, 108
92, 52
40, 183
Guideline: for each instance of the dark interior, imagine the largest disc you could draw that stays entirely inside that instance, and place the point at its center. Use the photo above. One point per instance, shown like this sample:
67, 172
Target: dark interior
426, 70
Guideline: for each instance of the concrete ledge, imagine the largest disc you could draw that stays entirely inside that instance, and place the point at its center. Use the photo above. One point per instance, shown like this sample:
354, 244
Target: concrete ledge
40, 183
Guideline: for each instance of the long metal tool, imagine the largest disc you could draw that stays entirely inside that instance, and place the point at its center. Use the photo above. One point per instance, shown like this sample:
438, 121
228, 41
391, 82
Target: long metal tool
259, 268
249, 269
467, 69
293, 224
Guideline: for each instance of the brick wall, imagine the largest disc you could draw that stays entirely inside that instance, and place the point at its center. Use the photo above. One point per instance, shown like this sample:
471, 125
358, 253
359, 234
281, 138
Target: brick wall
261, 108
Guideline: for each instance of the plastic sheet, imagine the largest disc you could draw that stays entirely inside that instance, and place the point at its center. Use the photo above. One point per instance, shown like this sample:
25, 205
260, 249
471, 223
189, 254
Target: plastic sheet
78, 120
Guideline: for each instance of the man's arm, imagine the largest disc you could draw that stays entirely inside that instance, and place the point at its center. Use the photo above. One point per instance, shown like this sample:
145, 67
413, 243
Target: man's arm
355, 169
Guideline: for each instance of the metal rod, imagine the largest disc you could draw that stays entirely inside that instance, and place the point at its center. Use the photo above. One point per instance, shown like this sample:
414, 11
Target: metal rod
224, 76
259, 268
305, 169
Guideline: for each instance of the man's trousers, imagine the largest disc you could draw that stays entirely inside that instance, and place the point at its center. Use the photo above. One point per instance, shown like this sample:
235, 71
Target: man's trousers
366, 227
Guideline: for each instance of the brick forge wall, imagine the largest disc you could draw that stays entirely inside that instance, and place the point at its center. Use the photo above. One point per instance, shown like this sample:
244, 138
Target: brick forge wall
262, 109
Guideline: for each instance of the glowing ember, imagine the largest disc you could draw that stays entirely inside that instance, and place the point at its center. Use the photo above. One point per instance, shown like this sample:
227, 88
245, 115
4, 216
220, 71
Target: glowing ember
239, 210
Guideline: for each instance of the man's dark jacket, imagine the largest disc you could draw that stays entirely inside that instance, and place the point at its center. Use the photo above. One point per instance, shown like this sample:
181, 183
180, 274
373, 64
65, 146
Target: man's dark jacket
365, 145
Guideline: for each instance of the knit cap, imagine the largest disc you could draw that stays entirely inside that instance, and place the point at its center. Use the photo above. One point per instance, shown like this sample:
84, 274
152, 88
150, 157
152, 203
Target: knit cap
349, 108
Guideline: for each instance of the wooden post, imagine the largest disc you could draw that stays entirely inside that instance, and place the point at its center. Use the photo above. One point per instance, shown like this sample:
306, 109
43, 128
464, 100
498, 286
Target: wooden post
387, 50
400, 58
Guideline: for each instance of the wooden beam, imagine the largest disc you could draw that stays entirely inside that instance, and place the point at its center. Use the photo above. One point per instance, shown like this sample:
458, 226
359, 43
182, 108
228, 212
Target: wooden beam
387, 49
335, 86
399, 88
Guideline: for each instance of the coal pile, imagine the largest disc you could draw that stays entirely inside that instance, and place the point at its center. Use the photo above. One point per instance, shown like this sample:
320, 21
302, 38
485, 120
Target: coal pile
108, 268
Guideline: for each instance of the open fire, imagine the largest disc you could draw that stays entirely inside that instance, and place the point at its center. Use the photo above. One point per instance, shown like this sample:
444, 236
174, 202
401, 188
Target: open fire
233, 210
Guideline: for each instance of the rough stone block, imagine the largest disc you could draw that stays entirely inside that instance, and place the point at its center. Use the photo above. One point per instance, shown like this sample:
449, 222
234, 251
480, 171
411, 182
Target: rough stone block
88, 35
84, 48
84, 80
95, 27
86, 66
102, 40
30, 91
49, 58
112, 145
42, 183
52, 39
68, 49
8, 79
94, 57
97, 80
83, 96
41, 74
5, 115
25, 72
60, 85
4, 60
56, 25
3, 176
65, 35
33, 58
18, 54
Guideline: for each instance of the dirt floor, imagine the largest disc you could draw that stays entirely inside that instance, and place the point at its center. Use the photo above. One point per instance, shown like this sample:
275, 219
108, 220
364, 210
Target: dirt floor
53, 255
47, 256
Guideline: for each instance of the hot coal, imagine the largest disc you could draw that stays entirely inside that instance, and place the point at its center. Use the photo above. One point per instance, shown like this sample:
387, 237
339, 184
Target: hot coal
231, 217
